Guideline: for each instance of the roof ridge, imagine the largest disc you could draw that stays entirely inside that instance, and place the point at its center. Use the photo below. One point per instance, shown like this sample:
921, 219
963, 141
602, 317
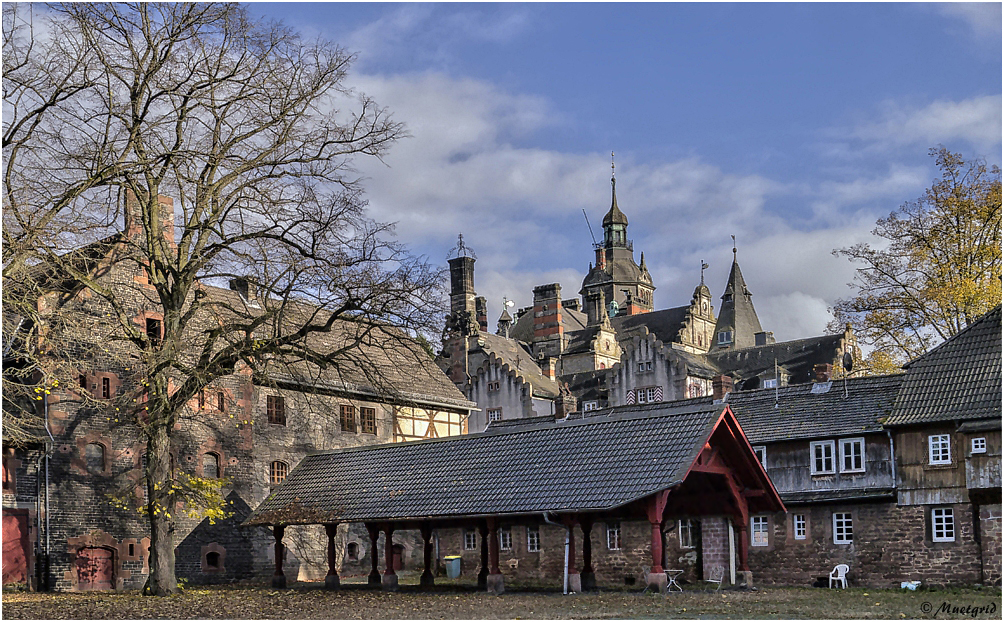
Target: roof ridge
978, 321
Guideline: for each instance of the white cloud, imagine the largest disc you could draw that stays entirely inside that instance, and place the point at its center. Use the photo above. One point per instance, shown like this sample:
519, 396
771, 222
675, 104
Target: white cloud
976, 120
983, 19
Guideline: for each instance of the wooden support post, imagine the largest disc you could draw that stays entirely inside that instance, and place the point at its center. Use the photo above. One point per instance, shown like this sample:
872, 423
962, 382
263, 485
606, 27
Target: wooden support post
744, 577
374, 576
588, 576
496, 583
483, 573
389, 576
331, 581
656, 507
428, 579
278, 578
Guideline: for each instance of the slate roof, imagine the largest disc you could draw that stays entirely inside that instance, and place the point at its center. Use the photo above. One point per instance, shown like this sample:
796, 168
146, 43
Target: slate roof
798, 357
593, 464
958, 380
738, 313
802, 414
665, 324
521, 361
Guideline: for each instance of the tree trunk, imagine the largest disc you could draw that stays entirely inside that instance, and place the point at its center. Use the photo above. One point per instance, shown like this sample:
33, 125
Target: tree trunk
162, 579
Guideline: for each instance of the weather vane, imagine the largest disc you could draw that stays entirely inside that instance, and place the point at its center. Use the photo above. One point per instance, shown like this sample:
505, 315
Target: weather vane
704, 267
461, 249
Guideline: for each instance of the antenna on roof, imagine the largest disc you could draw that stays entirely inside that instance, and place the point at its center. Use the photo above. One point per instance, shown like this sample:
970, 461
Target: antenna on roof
595, 243
848, 366
777, 381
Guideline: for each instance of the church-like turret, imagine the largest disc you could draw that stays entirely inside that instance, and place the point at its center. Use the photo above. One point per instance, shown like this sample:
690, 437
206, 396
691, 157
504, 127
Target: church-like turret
738, 324
625, 285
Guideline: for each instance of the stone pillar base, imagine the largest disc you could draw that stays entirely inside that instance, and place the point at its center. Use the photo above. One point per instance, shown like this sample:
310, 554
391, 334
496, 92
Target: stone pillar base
482, 580
744, 579
495, 584
574, 583
588, 581
427, 580
656, 581
389, 582
278, 580
332, 582
374, 580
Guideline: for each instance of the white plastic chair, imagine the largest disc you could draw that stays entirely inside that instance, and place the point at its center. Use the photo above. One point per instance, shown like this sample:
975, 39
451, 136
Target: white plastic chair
839, 575
717, 575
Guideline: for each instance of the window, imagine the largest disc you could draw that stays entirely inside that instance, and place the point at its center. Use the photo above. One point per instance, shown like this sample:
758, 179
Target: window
82, 380
348, 418
770, 383
943, 525
202, 399
132, 550
798, 526
614, 536
221, 401
649, 395
725, 336
278, 472
352, 551
470, 540
822, 457
645, 366
94, 457
494, 414
505, 539
843, 529
686, 534
759, 527
939, 448
532, 540
275, 407
210, 465
153, 331
852, 455
213, 559
106, 388
367, 420
761, 454
979, 445
641, 366
590, 405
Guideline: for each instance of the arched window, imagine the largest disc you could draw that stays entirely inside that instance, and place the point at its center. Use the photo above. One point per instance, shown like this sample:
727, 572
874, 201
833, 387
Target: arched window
213, 559
94, 457
211, 465
277, 472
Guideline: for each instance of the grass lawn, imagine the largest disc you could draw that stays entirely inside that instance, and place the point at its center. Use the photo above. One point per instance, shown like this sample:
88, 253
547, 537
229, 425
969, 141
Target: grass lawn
450, 600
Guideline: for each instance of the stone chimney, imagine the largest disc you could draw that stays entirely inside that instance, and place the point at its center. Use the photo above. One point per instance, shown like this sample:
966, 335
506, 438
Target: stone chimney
823, 371
481, 308
721, 385
566, 402
462, 285
596, 309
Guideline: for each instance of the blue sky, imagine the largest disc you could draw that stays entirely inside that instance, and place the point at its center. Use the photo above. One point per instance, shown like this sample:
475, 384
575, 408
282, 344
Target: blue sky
792, 126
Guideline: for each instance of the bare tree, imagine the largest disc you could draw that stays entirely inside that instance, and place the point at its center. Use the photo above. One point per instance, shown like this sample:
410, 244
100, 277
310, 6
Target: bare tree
251, 129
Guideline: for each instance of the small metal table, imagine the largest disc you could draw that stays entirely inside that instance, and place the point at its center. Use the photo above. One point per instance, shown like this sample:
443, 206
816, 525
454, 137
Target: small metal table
671, 575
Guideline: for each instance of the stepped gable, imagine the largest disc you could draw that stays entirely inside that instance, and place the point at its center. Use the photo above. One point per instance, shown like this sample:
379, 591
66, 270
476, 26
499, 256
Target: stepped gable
801, 413
517, 361
958, 380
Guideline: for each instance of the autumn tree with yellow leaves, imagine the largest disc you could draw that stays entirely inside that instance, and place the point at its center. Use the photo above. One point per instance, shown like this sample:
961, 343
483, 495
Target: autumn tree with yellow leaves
937, 270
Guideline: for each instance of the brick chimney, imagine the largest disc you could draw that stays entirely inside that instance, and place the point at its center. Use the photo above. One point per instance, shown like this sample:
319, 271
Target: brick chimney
481, 307
823, 371
134, 217
601, 258
548, 329
721, 385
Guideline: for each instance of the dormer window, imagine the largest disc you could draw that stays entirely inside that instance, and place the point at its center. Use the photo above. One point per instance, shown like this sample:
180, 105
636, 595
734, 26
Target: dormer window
725, 336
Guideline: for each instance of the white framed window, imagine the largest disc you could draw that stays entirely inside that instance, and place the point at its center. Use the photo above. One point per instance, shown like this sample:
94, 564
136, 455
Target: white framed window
494, 414
686, 534
648, 365
761, 454
979, 445
770, 383
759, 527
725, 336
798, 526
821, 453
533, 540
590, 405
943, 525
470, 540
939, 448
852, 455
649, 395
843, 528
641, 366
505, 539
614, 536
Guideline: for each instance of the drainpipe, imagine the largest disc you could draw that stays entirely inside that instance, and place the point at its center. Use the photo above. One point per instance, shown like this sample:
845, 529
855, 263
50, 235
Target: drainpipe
892, 456
48, 450
567, 534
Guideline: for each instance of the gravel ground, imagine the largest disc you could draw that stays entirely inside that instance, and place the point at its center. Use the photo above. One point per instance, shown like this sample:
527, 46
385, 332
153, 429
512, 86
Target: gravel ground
452, 601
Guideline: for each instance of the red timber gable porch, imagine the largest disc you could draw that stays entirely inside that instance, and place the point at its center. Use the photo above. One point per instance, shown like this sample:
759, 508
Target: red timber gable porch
641, 463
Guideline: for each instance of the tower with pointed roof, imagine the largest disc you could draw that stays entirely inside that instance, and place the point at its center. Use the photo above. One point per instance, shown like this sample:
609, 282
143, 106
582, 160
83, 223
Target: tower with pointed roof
626, 285
738, 325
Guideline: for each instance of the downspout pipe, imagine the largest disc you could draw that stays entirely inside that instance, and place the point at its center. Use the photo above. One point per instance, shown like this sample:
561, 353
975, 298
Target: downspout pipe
892, 457
568, 530
48, 451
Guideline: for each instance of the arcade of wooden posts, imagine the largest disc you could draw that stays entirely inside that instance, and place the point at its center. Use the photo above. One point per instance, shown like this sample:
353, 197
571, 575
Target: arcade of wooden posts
644, 462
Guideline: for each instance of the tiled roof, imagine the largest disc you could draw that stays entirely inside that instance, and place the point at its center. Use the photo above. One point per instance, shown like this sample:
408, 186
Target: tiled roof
599, 463
798, 357
802, 414
958, 380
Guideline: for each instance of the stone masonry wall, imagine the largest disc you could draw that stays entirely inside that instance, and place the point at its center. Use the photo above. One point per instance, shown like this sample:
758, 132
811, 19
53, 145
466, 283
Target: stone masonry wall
990, 536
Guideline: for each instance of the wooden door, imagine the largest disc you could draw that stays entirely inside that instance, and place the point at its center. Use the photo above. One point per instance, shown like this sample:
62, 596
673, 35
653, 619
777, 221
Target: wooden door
16, 549
95, 569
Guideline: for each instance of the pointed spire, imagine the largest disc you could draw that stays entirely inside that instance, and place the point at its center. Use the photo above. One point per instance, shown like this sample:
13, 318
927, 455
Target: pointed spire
734, 255
643, 261
737, 316
615, 215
